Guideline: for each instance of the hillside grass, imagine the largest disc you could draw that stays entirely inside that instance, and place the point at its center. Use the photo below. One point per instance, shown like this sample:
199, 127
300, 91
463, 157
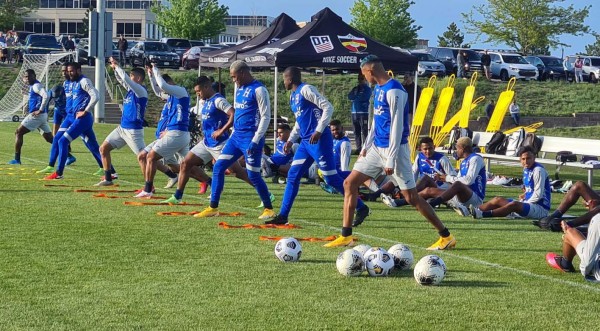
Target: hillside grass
72, 261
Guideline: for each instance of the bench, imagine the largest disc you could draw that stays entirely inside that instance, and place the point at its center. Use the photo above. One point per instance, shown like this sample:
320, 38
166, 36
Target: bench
549, 145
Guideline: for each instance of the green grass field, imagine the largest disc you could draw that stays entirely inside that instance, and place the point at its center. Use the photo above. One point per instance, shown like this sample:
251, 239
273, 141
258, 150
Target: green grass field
71, 261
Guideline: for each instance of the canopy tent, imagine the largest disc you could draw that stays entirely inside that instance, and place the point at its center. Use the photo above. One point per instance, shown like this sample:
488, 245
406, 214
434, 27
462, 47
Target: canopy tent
281, 27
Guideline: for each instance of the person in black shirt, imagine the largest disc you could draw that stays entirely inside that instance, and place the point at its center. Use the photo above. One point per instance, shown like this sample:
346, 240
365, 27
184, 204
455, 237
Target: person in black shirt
486, 61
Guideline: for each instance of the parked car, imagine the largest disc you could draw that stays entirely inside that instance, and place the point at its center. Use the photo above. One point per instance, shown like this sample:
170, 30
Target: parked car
62, 39
428, 65
41, 44
591, 68
177, 45
507, 65
447, 55
197, 43
146, 52
549, 67
82, 48
190, 58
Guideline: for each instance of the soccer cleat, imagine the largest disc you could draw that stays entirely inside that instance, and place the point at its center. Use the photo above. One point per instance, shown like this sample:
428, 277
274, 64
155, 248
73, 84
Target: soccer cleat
53, 176
171, 201
14, 162
277, 220
104, 183
443, 243
208, 212
271, 197
172, 182
267, 214
360, 216
112, 176
47, 170
100, 172
203, 187
554, 260
388, 200
461, 209
70, 160
328, 188
141, 190
143, 195
475, 212
341, 241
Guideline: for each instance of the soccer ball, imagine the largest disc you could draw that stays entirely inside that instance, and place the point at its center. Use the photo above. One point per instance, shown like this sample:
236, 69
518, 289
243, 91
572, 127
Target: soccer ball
288, 250
403, 257
362, 249
350, 263
430, 270
379, 262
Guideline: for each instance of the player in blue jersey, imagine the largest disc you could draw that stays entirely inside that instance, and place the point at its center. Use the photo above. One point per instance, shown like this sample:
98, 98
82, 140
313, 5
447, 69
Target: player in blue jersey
427, 164
313, 113
279, 163
466, 189
250, 123
37, 119
174, 140
81, 98
386, 151
131, 130
217, 119
534, 203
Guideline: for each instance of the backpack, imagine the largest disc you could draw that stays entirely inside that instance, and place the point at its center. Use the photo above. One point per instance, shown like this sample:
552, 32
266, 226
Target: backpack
496, 143
456, 133
533, 141
515, 140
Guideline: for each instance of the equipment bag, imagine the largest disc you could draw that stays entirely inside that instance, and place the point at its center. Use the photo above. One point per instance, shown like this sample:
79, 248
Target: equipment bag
563, 157
515, 140
495, 143
533, 141
456, 133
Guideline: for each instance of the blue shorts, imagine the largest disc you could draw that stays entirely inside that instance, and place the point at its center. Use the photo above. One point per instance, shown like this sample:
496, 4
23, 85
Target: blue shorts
59, 116
237, 146
321, 153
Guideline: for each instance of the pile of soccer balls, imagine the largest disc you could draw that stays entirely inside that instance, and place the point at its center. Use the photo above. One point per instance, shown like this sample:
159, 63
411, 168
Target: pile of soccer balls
378, 262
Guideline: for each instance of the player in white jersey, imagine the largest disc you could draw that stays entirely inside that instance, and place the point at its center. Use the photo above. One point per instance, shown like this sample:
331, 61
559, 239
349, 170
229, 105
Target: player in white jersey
386, 151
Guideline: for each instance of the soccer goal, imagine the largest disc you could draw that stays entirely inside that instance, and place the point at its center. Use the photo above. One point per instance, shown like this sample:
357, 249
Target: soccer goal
13, 105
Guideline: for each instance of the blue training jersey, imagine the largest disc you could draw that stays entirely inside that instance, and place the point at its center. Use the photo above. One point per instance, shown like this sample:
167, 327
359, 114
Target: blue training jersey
307, 113
428, 166
337, 153
247, 113
479, 180
279, 157
537, 176
134, 110
35, 100
214, 117
162, 122
178, 113
57, 93
68, 88
383, 95
79, 97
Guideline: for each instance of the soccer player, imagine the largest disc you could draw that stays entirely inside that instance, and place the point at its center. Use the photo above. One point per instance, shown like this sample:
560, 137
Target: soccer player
578, 190
533, 203
175, 139
81, 98
313, 113
466, 189
217, 118
251, 121
131, 130
279, 163
37, 119
342, 148
427, 164
57, 93
386, 150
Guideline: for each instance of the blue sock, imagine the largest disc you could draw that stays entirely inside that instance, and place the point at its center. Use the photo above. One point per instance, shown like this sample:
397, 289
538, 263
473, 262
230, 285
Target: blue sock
178, 194
487, 213
170, 173
557, 214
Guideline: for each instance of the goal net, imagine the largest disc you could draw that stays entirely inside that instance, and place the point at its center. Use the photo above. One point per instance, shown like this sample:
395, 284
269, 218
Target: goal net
13, 105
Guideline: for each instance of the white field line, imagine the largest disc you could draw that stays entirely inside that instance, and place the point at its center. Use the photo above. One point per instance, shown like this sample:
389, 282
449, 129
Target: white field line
449, 253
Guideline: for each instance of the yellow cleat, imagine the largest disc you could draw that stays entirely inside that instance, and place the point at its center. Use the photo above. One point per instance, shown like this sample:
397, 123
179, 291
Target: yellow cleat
208, 212
443, 243
341, 241
267, 214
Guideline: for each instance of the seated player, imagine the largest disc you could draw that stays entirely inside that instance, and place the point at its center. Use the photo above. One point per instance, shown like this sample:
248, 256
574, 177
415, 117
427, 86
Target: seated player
533, 203
37, 119
575, 243
466, 189
427, 164
579, 189
278, 164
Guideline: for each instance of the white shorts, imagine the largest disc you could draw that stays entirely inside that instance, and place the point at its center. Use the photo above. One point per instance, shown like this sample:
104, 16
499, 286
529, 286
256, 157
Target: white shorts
173, 146
474, 201
120, 137
536, 211
40, 123
373, 165
207, 154
588, 250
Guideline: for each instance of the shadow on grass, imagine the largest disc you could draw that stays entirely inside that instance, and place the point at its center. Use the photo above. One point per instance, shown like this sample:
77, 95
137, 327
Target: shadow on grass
474, 283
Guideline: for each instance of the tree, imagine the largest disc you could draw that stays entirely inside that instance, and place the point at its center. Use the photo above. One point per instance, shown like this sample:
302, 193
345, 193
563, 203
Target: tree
12, 12
526, 25
452, 38
191, 19
84, 29
388, 21
594, 49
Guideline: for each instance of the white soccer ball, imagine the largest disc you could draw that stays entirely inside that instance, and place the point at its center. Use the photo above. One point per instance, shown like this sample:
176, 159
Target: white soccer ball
379, 262
288, 250
350, 263
403, 256
362, 249
430, 270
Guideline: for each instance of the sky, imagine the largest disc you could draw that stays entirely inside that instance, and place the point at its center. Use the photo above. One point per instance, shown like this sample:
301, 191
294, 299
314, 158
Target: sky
434, 16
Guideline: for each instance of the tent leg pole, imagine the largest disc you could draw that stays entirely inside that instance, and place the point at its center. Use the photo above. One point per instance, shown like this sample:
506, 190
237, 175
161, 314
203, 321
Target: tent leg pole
275, 108
323, 83
416, 80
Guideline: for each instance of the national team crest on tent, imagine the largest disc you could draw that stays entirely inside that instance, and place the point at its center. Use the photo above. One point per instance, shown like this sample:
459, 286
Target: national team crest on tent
321, 43
352, 43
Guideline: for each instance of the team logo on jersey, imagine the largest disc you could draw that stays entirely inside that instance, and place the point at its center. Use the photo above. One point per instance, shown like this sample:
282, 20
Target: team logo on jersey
352, 43
321, 43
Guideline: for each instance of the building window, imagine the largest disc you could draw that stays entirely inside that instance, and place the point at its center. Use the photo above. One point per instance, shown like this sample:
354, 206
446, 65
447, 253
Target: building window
39, 27
70, 27
129, 30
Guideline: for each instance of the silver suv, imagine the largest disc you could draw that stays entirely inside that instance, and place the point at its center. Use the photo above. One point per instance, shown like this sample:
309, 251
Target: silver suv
508, 65
591, 68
